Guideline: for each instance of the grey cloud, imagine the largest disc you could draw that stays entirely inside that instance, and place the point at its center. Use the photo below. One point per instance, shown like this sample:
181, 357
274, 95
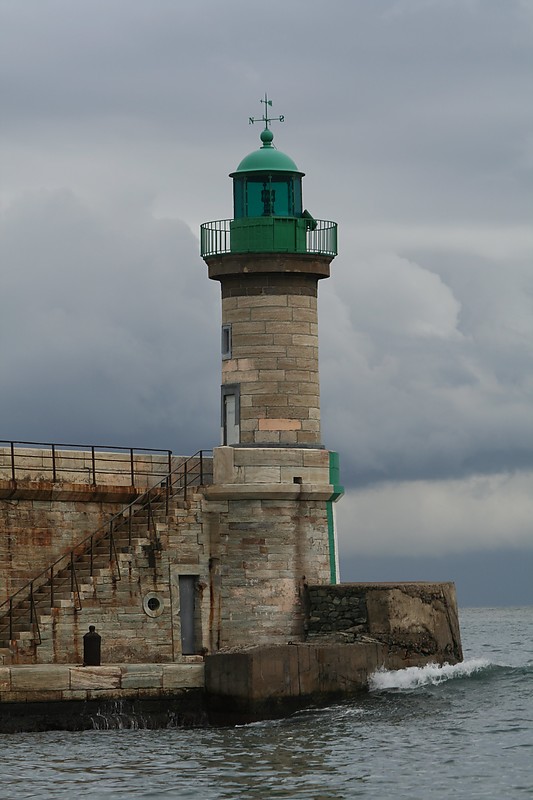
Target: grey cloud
426, 372
108, 333
120, 122
443, 518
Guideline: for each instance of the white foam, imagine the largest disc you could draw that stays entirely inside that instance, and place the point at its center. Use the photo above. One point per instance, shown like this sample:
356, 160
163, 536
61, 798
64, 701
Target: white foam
431, 674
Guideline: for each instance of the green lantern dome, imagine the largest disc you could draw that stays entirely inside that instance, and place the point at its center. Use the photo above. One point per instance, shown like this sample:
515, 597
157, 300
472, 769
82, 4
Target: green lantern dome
268, 212
267, 159
267, 183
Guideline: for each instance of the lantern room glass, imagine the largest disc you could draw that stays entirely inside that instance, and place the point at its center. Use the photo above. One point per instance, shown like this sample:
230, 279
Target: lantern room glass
267, 196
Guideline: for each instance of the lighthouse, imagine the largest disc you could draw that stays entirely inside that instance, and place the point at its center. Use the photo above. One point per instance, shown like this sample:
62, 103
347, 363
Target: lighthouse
272, 473
269, 259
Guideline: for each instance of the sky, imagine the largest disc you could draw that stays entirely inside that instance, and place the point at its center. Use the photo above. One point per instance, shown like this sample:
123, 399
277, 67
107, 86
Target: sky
413, 122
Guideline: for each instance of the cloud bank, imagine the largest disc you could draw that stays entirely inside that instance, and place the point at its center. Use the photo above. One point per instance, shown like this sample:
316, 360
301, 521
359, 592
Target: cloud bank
120, 122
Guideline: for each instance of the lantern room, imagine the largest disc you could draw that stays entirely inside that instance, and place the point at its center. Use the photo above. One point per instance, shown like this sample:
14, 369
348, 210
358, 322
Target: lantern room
268, 213
267, 183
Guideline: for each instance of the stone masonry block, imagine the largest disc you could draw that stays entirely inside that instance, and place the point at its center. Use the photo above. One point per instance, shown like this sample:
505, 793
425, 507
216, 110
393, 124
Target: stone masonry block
269, 400
272, 314
249, 425
263, 387
95, 677
304, 314
287, 326
268, 456
283, 339
272, 375
280, 424
307, 437
308, 388
183, 676
38, 677
298, 375
5, 679
247, 328
247, 341
136, 676
302, 301
231, 365
262, 474
316, 458
260, 350
235, 314
242, 376
289, 388
308, 474
258, 301
300, 413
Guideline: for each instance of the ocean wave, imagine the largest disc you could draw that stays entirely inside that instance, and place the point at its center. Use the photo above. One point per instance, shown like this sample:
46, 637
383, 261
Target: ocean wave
430, 675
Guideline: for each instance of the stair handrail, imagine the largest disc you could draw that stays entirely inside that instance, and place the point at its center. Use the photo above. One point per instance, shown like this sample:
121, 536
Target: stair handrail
165, 484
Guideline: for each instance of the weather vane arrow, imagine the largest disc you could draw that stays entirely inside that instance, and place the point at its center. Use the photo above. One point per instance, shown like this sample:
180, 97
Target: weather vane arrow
265, 118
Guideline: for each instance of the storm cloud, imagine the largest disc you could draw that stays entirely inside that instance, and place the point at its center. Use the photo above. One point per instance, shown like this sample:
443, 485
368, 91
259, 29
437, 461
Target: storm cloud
412, 120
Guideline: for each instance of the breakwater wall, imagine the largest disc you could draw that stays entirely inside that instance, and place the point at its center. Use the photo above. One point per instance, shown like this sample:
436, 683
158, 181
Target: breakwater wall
40, 697
418, 618
353, 630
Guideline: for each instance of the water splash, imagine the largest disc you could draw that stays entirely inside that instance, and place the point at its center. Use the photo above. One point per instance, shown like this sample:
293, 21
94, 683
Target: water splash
430, 675
114, 715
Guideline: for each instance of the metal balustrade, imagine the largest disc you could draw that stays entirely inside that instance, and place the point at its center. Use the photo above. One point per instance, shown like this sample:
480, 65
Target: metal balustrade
63, 462
215, 238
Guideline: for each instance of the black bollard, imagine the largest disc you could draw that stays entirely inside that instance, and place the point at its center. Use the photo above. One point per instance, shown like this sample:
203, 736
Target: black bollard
91, 648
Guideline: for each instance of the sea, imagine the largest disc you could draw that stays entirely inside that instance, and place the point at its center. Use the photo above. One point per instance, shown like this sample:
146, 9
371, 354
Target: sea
463, 731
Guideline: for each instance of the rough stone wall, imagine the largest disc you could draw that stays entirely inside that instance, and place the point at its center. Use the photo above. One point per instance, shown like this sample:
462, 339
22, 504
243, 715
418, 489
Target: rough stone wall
417, 618
251, 467
41, 520
187, 551
115, 607
340, 608
275, 362
151, 567
265, 552
252, 540
267, 522
34, 533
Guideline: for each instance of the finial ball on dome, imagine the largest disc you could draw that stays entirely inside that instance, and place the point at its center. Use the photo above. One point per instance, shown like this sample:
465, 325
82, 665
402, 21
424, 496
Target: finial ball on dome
267, 136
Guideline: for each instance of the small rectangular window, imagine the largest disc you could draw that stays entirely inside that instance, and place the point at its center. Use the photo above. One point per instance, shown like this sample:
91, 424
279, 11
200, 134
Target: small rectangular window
226, 341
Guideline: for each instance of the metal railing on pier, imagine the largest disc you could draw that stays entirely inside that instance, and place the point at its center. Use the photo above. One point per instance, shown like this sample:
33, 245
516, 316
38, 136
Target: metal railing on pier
42, 461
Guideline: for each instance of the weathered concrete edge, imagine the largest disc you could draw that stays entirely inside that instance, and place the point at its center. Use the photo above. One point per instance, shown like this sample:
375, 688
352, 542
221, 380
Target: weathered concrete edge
265, 682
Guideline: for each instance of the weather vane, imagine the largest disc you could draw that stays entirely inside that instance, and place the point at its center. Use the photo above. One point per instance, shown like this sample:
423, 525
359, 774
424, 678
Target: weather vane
265, 118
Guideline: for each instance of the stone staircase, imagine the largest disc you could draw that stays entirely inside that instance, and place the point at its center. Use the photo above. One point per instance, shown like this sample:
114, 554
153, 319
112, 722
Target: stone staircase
75, 586
98, 581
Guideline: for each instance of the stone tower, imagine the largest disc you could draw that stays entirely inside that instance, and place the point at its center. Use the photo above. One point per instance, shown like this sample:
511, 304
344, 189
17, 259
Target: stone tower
275, 531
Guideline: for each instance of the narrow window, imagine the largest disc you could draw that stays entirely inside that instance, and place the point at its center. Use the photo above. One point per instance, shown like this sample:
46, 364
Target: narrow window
226, 341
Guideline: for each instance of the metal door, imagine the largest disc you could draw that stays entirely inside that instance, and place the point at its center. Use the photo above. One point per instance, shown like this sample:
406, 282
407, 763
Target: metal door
187, 584
231, 424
